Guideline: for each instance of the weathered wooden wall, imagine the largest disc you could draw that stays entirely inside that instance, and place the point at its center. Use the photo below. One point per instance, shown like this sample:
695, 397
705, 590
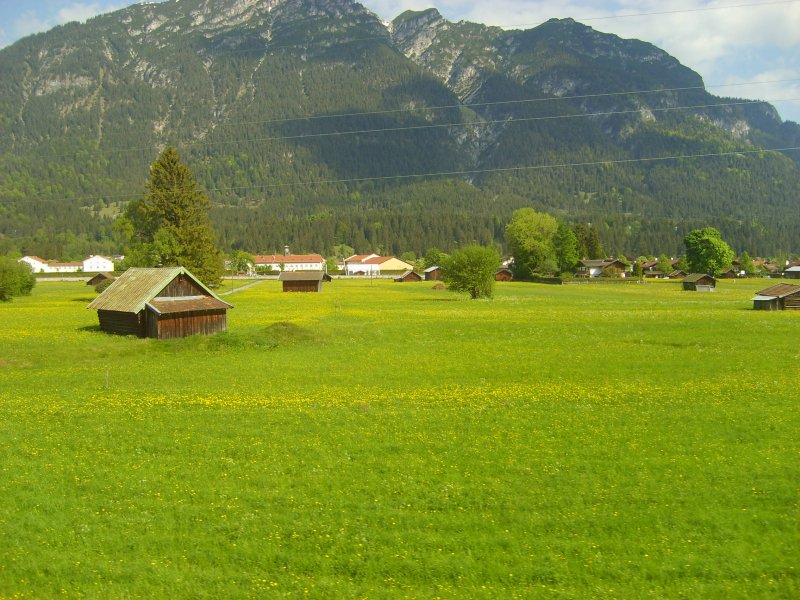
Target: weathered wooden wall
302, 286
123, 323
176, 325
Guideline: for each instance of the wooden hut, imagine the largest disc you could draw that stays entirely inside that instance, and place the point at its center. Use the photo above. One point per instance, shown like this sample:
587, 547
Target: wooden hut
160, 303
699, 282
433, 273
302, 281
100, 278
409, 276
783, 296
503, 275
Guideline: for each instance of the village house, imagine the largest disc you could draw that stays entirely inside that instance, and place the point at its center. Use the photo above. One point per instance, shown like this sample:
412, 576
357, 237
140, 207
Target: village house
289, 262
598, 267
93, 264
374, 265
160, 303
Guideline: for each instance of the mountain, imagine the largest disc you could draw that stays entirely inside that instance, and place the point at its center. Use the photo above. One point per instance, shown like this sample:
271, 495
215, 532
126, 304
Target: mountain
313, 123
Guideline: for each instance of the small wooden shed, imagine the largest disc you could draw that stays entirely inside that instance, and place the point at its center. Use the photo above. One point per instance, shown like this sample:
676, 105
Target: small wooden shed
699, 282
100, 278
160, 303
783, 296
503, 275
433, 273
302, 281
409, 276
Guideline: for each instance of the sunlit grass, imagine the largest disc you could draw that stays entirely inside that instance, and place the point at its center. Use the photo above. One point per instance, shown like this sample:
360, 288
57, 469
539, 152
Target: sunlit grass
391, 440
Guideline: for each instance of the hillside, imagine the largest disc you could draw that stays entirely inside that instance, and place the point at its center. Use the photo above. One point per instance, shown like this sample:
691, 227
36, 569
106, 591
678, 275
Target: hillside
310, 122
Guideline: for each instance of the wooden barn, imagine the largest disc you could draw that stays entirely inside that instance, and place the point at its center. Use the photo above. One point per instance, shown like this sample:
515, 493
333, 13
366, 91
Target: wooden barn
433, 273
699, 282
302, 281
783, 296
100, 278
409, 276
160, 303
503, 275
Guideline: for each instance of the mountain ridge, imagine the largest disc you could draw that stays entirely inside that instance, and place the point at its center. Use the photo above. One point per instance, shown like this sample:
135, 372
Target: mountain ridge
317, 111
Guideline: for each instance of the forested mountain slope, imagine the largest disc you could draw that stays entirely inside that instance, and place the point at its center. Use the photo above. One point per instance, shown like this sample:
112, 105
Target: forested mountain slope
312, 123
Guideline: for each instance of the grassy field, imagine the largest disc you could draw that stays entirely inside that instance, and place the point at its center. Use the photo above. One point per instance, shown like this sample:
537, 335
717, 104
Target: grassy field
384, 440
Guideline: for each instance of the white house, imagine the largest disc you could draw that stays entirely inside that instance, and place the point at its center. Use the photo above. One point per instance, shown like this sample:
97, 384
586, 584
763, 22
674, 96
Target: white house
98, 264
36, 264
93, 264
290, 262
373, 264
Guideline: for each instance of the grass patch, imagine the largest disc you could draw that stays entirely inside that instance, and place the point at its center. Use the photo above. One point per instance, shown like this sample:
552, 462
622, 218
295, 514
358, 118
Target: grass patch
368, 441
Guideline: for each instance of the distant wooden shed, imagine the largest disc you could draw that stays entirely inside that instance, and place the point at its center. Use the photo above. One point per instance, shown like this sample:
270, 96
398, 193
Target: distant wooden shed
783, 296
409, 276
433, 273
100, 278
503, 275
699, 282
302, 281
160, 303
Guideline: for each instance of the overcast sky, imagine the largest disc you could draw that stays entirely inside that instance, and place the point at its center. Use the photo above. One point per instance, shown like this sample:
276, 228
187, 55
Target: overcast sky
747, 49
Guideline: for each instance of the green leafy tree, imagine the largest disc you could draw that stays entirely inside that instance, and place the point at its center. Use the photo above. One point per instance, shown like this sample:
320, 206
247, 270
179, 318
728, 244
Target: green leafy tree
665, 264
433, 257
707, 252
170, 226
747, 264
241, 261
16, 279
565, 244
471, 269
530, 235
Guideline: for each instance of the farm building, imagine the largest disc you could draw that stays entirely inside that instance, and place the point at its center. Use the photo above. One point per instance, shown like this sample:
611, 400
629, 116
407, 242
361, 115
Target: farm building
100, 278
600, 267
433, 273
409, 276
792, 273
699, 282
503, 275
160, 303
302, 281
783, 296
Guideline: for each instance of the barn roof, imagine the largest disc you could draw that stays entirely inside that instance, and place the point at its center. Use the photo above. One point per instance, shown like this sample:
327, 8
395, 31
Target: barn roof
137, 287
301, 276
695, 277
180, 304
780, 290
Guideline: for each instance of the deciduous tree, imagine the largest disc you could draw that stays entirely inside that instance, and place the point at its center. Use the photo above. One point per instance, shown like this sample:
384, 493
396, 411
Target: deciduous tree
471, 269
707, 252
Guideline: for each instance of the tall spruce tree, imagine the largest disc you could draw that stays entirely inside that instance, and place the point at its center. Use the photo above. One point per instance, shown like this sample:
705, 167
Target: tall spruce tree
170, 225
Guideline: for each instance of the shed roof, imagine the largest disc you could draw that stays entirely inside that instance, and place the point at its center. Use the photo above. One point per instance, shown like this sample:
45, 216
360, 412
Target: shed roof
301, 276
780, 290
136, 287
164, 306
695, 277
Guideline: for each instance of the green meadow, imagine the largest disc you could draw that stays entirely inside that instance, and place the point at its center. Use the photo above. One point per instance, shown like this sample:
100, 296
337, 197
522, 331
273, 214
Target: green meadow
384, 440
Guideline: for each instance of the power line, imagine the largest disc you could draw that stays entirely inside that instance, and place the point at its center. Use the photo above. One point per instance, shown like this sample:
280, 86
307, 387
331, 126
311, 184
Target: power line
541, 167
659, 13
441, 125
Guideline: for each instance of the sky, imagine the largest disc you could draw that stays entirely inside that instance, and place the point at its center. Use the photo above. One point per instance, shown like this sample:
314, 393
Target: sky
741, 48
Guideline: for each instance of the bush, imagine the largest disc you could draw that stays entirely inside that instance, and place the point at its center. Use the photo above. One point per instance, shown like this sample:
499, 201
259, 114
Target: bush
16, 279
